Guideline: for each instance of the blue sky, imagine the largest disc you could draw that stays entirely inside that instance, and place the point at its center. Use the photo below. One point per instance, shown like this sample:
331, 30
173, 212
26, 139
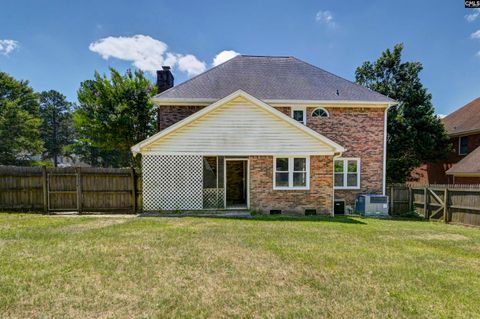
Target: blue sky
58, 44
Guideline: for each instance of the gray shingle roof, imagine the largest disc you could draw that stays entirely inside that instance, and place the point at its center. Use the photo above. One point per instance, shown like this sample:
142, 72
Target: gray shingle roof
271, 78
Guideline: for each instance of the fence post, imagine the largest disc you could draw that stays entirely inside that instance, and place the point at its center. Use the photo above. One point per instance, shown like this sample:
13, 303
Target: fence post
79, 190
391, 201
45, 189
445, 207
410, 199
134, 190
425, 204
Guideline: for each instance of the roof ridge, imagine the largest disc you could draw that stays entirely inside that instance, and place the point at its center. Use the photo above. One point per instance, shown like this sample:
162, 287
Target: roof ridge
266, 56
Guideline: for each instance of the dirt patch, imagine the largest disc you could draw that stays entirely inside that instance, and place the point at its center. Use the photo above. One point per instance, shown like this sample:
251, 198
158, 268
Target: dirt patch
442, 236
90, 225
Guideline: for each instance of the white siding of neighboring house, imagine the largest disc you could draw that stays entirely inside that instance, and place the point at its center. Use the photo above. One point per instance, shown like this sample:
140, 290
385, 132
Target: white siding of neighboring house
238, 127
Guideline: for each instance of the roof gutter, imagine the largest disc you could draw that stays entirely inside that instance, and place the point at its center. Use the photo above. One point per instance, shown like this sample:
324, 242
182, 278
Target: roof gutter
463, 133
273, 102
463, 174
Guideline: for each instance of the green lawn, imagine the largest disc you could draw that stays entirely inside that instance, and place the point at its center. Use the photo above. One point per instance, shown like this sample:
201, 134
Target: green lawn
90, 267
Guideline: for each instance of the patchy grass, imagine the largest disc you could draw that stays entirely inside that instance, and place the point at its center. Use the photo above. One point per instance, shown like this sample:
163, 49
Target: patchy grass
269, 266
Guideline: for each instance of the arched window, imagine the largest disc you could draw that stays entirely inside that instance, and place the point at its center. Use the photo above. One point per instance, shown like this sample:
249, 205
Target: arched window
320, 112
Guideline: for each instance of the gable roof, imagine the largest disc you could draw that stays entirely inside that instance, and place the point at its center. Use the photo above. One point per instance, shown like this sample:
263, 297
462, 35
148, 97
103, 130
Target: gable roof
279, 117
464, 120
271, 78
468, 165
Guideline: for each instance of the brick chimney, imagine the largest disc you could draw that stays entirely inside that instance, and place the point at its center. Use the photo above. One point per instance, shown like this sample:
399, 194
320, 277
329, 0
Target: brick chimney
164, 79
164, 82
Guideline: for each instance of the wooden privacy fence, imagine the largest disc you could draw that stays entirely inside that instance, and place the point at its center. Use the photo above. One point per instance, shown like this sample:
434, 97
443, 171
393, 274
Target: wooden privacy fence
450, 203
70, 189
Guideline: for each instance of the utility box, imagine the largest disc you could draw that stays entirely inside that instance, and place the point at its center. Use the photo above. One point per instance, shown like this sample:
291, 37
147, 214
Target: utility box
372, 205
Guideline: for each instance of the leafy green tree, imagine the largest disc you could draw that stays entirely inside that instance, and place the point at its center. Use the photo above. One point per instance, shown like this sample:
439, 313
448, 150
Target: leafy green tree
19, 122
114, 114
415, 134
57, 124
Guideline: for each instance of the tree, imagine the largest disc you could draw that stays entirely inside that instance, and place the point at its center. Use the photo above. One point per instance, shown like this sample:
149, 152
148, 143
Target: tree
19, 122
415, 134
57, 124
114, 114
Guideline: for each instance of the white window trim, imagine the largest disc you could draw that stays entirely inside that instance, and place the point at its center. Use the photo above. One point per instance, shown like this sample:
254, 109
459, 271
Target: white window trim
460, 145
320, 108
345, 172
300, 108
290, 173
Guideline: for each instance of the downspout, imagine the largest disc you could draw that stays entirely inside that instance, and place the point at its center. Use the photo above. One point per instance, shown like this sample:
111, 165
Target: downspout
385, 122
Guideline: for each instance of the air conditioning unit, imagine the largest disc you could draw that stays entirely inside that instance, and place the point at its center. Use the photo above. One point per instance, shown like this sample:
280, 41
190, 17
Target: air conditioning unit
372, 205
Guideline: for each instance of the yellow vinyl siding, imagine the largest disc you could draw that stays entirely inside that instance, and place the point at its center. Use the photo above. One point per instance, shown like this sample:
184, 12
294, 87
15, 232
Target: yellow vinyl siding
238, 127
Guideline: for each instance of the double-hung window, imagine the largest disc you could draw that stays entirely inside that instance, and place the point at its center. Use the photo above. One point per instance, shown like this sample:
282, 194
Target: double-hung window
291, 173
463, 145
299, 115
347, 173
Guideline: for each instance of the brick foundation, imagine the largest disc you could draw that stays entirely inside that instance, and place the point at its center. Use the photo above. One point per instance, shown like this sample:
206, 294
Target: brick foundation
264, 198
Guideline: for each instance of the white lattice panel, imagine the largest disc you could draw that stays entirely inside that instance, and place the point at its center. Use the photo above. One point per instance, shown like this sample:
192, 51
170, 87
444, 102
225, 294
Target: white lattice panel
213, 198
172, 182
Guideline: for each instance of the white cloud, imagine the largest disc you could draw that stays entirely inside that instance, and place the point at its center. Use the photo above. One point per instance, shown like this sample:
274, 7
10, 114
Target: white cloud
7, 46
473, 16
146, 53
475, 35
326, 18
441, 116
191, 65
224, 56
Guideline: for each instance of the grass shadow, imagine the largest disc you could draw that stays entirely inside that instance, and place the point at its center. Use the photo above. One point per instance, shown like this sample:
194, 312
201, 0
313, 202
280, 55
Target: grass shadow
312, 218
266, 218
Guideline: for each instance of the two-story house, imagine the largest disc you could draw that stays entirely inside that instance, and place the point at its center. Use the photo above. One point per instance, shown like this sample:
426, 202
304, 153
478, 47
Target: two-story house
463, 165
266, 133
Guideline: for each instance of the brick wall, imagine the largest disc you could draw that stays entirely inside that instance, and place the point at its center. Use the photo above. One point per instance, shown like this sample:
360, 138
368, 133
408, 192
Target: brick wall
466, 180
263, 197
360, 131
169, 115
285, 110
431, 173
473, 143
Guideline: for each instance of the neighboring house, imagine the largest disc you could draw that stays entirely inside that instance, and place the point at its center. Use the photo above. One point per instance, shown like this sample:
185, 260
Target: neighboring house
271, 134
72, 160
463, 165
63, 161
